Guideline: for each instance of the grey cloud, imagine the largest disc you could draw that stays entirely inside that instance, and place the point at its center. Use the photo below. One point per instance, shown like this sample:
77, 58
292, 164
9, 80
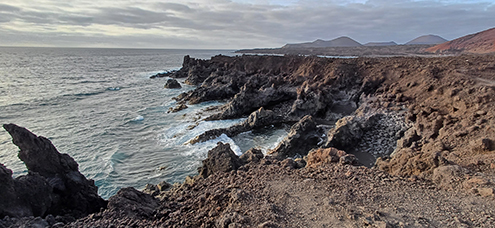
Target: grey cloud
174, 7
8, 8
248, 25
77, 20
4, 18
141, 18
38, 17
130, 15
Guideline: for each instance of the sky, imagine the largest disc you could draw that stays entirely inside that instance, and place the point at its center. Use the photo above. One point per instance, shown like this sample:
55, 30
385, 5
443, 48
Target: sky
233, 24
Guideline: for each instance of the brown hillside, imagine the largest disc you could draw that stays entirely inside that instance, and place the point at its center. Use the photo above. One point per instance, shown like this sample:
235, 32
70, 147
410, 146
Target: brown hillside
479, 43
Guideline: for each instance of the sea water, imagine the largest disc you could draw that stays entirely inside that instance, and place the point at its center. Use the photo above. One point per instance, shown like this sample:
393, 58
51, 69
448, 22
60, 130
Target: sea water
100, 107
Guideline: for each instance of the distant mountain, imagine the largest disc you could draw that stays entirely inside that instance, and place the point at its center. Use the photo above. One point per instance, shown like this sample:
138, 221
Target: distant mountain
427, 39
480, 43
371, 44
342, 41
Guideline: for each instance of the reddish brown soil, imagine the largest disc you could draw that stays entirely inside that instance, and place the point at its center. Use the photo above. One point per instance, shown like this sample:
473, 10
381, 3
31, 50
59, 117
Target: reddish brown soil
479, 43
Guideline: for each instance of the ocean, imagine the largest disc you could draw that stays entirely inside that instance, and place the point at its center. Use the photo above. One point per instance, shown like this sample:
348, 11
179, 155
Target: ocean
100, 107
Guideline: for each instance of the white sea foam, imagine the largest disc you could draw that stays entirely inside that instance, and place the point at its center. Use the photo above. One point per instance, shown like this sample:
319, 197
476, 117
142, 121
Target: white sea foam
84, 114
200, 150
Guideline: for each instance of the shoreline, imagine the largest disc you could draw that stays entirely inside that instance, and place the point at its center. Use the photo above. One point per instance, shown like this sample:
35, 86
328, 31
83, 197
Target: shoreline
430, 120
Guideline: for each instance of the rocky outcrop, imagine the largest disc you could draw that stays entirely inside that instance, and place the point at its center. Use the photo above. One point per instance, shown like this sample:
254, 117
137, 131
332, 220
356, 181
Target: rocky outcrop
172, 84
155, 190
220, 159
257, 92
311, 100
329, 155
164, 74
178, 108
257, 119
303, 136
347, 132
285, 85
422, 112
29, 195
53, 185
252, 155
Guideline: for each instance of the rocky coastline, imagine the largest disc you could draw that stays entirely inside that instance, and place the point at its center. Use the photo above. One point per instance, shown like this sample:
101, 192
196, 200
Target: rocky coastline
375, 142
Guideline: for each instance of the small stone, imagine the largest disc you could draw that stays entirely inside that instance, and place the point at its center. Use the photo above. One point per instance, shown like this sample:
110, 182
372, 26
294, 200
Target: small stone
481, 113
348, 159
486, 192
162, 186
461, 133
300, 163
481, 145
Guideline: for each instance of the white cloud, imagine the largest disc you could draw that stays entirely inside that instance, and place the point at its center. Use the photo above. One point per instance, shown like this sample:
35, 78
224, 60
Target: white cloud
234, 24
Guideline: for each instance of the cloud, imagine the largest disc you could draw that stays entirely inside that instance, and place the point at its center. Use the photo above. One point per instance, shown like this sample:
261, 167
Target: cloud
166, 6
8, 8
242, 23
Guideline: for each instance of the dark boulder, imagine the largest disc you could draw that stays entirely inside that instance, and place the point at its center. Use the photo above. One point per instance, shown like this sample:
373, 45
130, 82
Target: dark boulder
252, 155
133, 203
220, 159
172, 84
303, 136
54, 184
311, 100
28, 195
348, 131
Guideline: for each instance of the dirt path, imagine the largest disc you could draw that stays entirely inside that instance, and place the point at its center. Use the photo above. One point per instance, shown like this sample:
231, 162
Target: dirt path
357, 197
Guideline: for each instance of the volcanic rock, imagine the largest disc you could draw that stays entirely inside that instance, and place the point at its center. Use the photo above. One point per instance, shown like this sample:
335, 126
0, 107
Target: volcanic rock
303, 136
311, 100
172, 84
164, 74
178, 108
252, 155
53, 185
256, 93
133, 203
257, 119
29, 195
220, 159
324, 156
347, 132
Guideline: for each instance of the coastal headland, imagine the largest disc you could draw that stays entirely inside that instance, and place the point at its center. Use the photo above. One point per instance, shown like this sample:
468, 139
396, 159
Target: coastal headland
373, 142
